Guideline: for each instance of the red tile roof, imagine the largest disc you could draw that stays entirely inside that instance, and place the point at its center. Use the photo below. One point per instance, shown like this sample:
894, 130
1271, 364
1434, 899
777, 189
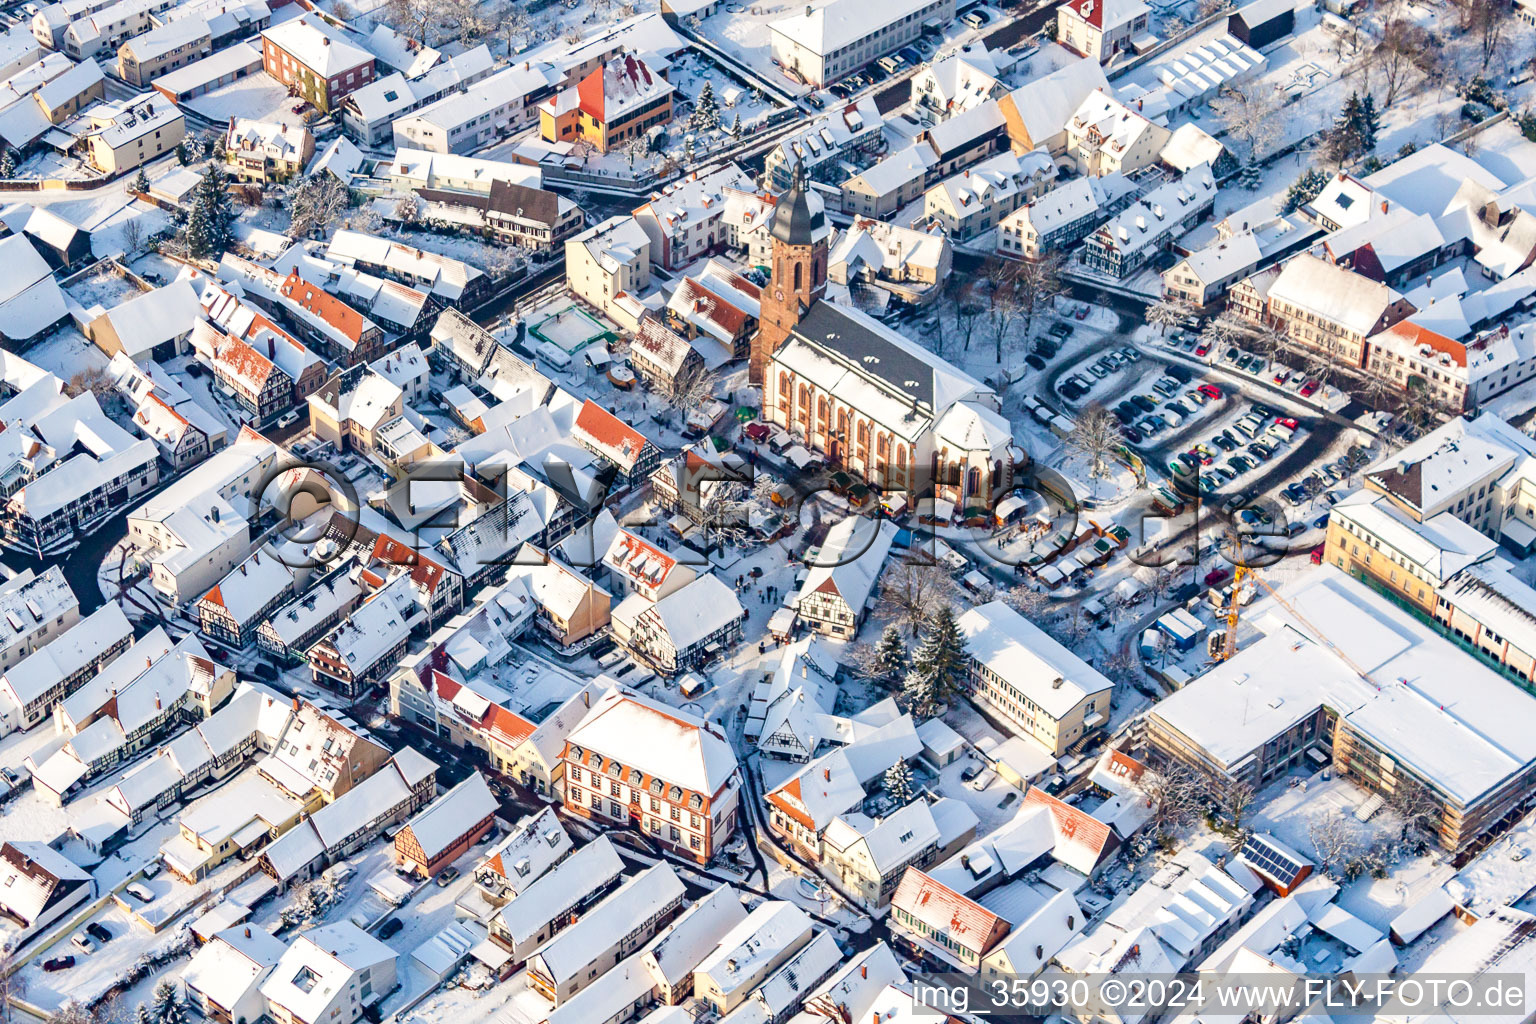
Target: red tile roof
324, 305
611, 435
963, 920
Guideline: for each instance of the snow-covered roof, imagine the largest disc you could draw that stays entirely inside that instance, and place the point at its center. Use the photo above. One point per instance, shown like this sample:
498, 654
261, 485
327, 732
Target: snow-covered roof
319, 47
447, 818
1441, 545
232, 962
82, 644
318, 966
741, 955
695, 611
664, 742
1440, 712
828, 28
1333, 294
1029, 660
571, 882
850, 562
639, 899
30, 299
673, 955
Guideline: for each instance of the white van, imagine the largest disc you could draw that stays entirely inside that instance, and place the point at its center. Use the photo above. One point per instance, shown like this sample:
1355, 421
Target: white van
1281, 431
1170, 417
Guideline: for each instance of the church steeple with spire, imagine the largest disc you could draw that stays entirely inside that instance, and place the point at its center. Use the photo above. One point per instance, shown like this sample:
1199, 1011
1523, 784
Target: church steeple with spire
798, 276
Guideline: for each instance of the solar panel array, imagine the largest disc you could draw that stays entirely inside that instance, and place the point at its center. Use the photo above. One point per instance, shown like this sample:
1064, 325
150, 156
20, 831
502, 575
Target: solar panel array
1281, 865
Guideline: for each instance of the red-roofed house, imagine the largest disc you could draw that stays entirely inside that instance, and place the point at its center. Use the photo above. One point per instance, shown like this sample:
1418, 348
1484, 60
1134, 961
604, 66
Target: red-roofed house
616, 443
340, 331
640, 567
941, 926
701, 306
1101, 28
674, 774
612, 105
1082, 841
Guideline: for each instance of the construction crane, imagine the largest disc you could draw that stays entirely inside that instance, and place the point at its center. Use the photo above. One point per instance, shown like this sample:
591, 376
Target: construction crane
1229, 642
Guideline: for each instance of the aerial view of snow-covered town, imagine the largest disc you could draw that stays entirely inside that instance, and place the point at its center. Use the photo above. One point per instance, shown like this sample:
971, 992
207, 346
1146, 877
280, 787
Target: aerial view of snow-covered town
762, 512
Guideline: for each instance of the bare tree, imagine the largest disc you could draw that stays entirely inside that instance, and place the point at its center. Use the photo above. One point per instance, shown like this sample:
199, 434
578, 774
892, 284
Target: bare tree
967, 317
1233, 803
1176, 795
72, 1012
1096, 436
917, 586
1249, 114
1270, 343
1025, 600
314, 203
1169, 312
692, 387
13, 982
1070, 628
414, 17
1036, 285
1486, 22
133, 236
1402, 56
93, 379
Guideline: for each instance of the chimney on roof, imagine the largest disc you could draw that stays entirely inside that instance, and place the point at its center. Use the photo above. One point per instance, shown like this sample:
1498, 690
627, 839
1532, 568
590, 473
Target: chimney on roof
157, 700
325, 41
826, 774
1383, 206
295, 702
247, 933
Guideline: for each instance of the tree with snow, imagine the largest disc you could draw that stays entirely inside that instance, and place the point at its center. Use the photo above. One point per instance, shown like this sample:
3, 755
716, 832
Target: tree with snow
1304, 189
940, 658
891, 652
1096, 436
140, 183
688, 150
707, 110
1166, 313
198, 237
314, 203
918, 695
1249, 114
7, 162
917, 585
898, 782
167, 1004
736, 127
213, 196
181, 153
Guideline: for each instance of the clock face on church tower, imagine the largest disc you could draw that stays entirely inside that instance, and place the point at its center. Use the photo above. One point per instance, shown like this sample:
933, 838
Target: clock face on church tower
778, 293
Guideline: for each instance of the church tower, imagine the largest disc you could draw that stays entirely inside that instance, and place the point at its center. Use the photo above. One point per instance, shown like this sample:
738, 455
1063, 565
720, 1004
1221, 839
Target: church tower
799, 273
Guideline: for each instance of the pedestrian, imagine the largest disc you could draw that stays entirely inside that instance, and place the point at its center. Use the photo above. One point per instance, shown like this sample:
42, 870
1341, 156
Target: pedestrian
761, 648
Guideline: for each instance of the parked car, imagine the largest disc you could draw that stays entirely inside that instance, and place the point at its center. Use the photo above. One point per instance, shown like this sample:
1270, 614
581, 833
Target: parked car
139, 892
1143, 403
1182, 374
390, 927
1210, 391
1309, 389
1034, 362
82, 942
1130, 354
446, 876
976, 19
59, 963
98, 931
1320, 522
1282, 375
1060, 329
1131, 434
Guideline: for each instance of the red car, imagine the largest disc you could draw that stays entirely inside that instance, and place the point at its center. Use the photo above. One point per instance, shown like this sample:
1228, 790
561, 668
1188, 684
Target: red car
1286, 421
1201, 350
1082, 312
1309, 389
1215, 576
1210, 391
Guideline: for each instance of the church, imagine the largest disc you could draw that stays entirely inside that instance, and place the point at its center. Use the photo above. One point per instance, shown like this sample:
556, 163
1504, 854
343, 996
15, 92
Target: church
869, 400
